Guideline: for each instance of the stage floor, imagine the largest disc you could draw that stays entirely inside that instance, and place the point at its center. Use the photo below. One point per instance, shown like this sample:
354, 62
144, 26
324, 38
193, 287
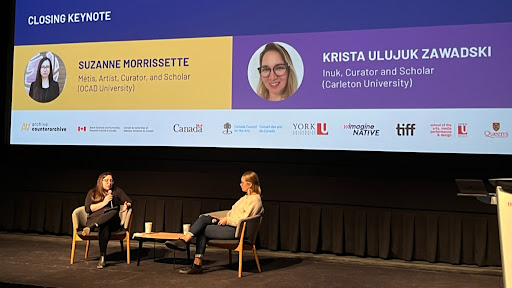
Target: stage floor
43, 261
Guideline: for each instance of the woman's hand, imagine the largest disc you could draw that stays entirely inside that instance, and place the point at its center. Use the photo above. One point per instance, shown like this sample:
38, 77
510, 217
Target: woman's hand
222, 221
127, 205
97, 206
107, 199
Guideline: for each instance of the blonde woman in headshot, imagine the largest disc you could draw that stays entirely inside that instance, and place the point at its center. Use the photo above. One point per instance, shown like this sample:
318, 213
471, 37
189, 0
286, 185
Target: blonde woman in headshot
207, 227
278, 79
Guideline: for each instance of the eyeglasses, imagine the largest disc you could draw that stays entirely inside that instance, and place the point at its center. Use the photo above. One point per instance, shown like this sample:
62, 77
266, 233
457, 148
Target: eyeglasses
45, 67
108, 180
279, 70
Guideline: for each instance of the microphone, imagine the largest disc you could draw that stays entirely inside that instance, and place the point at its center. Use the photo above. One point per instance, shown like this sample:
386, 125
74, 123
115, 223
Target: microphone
110, 193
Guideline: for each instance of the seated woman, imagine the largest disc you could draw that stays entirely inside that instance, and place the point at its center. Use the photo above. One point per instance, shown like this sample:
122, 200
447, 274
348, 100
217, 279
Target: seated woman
207, 227
102, 206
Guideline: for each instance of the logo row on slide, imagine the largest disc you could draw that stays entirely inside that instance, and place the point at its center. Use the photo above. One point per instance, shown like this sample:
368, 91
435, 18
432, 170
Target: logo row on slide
435, 129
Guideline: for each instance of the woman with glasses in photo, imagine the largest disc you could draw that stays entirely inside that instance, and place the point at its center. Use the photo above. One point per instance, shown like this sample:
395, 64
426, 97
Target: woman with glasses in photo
278, 79
102, 206
44, 88
207, 227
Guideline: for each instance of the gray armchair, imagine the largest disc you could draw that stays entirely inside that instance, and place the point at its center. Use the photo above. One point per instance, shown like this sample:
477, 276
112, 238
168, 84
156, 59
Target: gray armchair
79, 218
245, 238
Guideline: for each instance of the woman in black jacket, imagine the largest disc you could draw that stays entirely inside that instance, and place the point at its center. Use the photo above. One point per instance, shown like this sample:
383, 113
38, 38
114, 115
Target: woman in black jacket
44, 88
102, 206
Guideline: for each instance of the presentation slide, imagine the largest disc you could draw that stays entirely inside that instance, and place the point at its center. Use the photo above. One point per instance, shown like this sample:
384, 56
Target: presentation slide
320, 76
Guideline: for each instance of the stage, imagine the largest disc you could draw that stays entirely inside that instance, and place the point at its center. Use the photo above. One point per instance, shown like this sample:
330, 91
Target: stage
37, 260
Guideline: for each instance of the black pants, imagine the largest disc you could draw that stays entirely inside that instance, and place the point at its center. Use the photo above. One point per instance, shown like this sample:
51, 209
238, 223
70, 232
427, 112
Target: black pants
107, 223
204, 229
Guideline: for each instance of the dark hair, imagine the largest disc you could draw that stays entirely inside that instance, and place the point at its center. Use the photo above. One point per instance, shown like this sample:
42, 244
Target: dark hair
98, 195
38, 83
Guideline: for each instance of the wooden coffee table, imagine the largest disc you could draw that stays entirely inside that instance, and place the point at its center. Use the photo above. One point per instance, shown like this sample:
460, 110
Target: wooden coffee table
160, 237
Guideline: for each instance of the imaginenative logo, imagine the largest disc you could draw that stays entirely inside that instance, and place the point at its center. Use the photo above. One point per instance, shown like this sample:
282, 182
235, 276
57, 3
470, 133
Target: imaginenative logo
362, 129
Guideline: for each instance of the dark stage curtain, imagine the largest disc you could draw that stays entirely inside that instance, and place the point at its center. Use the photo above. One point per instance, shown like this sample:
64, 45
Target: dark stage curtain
449, 237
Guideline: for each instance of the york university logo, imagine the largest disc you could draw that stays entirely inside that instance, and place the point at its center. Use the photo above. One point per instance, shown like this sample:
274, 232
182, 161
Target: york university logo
462, 129
321, 129
310, 129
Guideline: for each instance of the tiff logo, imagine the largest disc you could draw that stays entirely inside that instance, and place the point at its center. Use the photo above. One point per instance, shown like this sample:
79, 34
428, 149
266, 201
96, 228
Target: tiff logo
405, 129
321, 129
25, 126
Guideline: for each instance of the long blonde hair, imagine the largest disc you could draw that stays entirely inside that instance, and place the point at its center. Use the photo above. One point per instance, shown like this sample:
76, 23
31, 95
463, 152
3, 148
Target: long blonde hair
291, 83
253, 178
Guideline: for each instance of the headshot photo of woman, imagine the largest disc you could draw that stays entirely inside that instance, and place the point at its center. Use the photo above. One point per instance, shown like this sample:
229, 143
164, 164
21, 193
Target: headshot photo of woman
44, 77
44, 88
277, 73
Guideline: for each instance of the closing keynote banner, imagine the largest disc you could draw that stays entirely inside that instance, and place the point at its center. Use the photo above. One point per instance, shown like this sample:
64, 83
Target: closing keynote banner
108, 74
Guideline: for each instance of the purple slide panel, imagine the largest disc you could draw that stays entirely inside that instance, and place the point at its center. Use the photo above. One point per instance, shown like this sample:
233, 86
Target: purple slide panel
466, 66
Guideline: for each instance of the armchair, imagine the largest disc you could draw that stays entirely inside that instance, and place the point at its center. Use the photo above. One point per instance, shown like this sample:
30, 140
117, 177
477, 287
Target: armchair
245, 238
79, 218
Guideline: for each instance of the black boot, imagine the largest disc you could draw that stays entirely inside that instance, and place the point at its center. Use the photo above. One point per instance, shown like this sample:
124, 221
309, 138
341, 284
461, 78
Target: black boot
194, 269
179, 244
102, 262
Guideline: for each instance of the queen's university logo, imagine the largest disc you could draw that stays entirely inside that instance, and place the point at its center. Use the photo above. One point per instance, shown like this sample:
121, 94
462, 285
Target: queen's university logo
496, 126
25, 126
